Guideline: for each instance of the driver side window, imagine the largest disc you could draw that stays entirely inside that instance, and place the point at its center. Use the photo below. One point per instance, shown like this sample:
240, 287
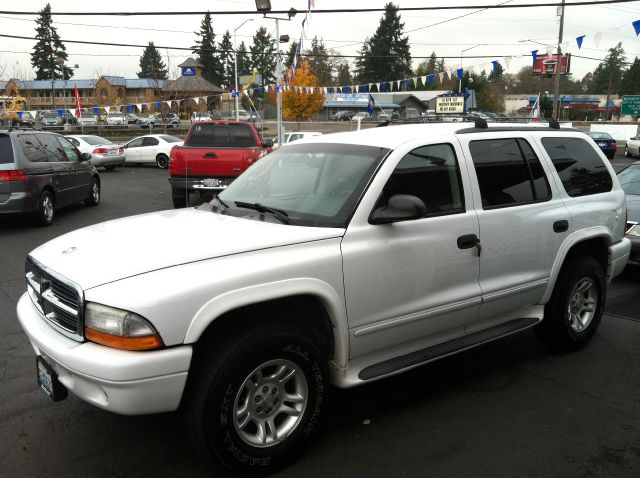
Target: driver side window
432, 174
136, 143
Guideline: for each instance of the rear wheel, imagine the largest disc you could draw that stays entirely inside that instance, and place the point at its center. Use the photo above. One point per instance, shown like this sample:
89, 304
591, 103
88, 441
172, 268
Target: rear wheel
162, 161
255, 398
572, 315
626, 152
179, 198
46, 211
94, 197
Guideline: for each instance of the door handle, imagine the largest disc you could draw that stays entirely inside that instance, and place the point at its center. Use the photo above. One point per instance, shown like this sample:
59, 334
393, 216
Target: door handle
210, 154
468, 241
561, 226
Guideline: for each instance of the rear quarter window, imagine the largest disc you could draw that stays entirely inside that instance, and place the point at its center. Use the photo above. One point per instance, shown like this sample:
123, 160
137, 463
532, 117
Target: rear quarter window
221, 136
31, 148
579, 166
6, 151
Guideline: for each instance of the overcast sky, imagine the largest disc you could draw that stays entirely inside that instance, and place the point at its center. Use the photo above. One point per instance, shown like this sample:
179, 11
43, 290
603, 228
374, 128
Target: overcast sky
499, 31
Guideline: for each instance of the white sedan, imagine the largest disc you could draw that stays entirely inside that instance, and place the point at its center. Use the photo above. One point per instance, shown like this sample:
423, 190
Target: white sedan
151, 148
103, 152
633, 147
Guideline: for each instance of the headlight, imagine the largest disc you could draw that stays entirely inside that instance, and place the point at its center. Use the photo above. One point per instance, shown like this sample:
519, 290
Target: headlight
634, 231
118, 328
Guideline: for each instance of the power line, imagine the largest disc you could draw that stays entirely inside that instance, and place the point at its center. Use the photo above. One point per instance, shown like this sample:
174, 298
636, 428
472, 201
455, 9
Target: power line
320, 11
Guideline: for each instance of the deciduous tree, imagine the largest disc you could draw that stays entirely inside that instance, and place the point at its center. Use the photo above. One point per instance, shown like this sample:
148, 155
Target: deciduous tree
301, 105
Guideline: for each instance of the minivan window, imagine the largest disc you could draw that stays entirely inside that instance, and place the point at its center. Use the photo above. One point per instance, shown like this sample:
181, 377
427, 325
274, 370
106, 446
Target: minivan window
579, 166
505, 177
221, 136
6, 151
31, 148
52, 147
69, 149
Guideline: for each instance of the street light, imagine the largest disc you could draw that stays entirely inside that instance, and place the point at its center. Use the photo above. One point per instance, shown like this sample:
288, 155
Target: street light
461, 52
264, 7
235, 61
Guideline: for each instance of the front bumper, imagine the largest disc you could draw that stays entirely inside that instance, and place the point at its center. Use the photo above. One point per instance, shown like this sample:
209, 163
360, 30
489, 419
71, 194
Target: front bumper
618, 257
205, 187
106, 160
129, 383
634, 258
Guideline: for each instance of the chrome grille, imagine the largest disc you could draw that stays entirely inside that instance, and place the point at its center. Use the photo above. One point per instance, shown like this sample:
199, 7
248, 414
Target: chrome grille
58, 300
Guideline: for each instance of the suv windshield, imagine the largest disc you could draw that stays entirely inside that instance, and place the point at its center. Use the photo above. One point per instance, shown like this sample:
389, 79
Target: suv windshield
221, 136
314, 184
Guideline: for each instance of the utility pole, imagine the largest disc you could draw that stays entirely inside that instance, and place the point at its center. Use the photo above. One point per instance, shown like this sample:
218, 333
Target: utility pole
557, 104
235, 66
606, 107
278, 83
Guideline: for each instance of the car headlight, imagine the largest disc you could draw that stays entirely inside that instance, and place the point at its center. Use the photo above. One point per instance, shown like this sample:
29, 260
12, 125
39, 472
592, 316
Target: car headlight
119, 328
634, 231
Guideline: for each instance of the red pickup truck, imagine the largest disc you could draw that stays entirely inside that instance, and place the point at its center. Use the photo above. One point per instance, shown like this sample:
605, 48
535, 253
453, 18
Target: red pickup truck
213, 155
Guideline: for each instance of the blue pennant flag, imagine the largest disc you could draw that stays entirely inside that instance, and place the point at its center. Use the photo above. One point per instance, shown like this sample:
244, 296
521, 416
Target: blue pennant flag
346, 89
636, 26
460, 73
158, 104
431, 78
579, 41
259, 89
19, 113
371, 105
330, 90
534, 55
96, 111
60, 112
495, 64
406, 85
364, 88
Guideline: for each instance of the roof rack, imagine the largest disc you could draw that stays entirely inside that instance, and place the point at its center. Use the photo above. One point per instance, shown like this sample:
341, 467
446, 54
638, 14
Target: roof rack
553, 123
481, 123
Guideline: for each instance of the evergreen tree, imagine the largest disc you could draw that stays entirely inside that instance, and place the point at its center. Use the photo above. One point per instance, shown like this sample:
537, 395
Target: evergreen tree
293, 48
386, 54
151, 64
631, 79
496, 74
206, 53
320, 64
263, 55
226, 58
49, 50
344, 77
244, 65
426, 67
612, 68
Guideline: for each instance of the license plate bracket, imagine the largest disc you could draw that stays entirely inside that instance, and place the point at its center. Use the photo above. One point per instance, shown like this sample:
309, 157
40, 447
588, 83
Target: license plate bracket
48, 381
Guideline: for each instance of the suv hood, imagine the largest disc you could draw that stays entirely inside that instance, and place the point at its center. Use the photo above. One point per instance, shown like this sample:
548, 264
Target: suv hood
122, 248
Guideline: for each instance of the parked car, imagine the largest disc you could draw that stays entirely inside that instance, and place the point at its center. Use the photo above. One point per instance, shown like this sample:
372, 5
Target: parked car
288, 138
88, 119
51, 119
103, 152
198, 116
147, 121
342, 116
411, 113
213, 155
171, 120
341, 260
132, 118
68, 118
632, 148
605, 142
630, 182
42, 172
151, 148
26, 121
361, 116
115, 119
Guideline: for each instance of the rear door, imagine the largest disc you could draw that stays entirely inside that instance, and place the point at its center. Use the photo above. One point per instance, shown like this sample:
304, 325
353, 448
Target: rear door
149, 149
62, 171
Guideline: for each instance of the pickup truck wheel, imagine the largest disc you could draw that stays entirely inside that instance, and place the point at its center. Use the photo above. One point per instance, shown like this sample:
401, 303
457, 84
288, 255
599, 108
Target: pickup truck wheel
254, 401
179, 200
576, 306
162, 161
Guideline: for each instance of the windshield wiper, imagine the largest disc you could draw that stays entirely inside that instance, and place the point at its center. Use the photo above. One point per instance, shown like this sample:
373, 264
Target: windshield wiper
279, 213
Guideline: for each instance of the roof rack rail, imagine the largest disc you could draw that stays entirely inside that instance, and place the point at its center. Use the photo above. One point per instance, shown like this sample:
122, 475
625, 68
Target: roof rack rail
553, 123
481, 123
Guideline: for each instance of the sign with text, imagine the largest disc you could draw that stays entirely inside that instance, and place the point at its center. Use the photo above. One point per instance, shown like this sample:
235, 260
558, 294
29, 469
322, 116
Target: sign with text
450, 104
246, 80
630, 105
546, 64
351, 97
188, 71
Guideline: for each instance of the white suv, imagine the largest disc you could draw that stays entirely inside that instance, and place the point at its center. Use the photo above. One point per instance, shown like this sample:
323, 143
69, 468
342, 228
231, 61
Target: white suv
343, 259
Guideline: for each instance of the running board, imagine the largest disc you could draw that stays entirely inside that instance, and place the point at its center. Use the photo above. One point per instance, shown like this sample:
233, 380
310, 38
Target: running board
446, 348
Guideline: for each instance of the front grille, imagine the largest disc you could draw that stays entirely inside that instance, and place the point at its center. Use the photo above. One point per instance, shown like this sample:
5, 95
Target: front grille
57, 299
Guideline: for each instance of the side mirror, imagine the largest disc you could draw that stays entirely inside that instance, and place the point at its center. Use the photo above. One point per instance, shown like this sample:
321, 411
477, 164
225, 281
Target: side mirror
399, 207
267, 143
86, 156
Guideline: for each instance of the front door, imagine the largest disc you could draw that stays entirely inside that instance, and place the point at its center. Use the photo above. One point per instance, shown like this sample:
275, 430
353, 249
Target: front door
132, 150
62, 172
409, 284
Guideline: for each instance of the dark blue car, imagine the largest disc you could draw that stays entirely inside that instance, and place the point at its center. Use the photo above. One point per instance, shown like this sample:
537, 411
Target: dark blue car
605, 142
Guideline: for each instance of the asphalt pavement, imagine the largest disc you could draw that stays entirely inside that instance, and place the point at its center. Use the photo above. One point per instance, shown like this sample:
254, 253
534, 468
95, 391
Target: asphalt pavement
509, 408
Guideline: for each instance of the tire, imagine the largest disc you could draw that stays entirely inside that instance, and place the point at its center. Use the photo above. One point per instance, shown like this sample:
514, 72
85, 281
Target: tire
162, 161
277, 375
626, 152
572, 315
95, 194
46, 212
179, 201
110, 167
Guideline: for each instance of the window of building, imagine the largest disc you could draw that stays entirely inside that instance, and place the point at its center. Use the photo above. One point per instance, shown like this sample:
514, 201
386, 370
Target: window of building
579, 166
509, 173
432, 174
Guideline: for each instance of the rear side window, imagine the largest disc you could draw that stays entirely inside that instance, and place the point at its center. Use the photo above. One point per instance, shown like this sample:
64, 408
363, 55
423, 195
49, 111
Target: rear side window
579, 166
221, 136
31, 148
509, 173
6, 151
147, 141
52, 147
70, 150
170, 139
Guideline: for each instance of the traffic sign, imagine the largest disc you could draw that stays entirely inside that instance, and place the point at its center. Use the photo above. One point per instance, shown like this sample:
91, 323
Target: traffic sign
630, 105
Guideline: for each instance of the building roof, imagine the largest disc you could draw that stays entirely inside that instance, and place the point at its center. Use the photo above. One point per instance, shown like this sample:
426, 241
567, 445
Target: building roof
190, 62
116, 80
145, 83
47, 84
357, 104
193, 84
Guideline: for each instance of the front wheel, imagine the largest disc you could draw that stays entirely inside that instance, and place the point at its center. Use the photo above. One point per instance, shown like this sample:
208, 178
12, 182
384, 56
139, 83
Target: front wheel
94, 197
572, 315
254, 399
626, 152
162, 161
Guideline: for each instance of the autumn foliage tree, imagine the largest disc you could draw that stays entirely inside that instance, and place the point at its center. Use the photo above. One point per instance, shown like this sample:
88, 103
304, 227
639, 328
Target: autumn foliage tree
298, 105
